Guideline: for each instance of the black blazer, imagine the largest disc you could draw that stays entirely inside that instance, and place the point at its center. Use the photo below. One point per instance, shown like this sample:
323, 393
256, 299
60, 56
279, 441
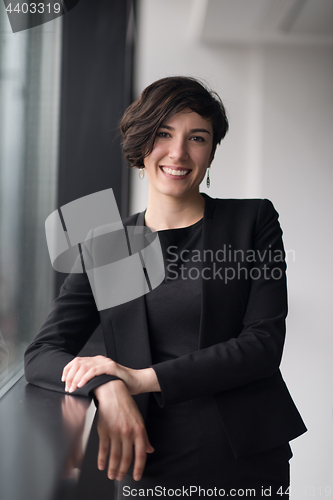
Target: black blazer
242, 330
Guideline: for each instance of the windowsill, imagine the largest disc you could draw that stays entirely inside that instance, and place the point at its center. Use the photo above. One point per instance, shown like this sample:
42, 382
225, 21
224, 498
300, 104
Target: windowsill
43, 436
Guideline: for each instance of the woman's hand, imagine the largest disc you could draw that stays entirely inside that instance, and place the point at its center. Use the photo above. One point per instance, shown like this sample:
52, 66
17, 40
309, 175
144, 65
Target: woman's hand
80, 370
120, 427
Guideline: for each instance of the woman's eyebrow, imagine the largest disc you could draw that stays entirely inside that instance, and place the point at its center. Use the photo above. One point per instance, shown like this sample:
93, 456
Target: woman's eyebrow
193, 130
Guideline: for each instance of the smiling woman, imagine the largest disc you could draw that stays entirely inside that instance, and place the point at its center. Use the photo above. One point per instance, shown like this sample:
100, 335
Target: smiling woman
161, 100
191, 384
180, 157
172, 131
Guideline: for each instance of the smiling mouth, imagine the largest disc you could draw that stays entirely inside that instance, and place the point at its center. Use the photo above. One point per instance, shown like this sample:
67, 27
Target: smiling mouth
175, 172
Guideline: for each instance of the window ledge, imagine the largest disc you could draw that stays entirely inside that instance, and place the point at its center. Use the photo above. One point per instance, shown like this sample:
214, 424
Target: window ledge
43, 436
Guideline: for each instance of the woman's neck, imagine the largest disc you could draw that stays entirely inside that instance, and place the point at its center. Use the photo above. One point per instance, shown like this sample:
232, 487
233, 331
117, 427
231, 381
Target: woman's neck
168, 212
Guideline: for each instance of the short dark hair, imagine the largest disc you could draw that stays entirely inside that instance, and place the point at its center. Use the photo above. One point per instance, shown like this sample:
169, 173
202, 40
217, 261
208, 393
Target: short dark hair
158, 102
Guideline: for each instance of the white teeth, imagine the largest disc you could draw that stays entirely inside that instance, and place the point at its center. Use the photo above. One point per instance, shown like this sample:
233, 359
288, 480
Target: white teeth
174, 172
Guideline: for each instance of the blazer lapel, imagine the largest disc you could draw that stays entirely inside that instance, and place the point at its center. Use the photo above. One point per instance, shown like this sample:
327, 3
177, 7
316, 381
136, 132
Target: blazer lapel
130, 327
221, 302
206, 309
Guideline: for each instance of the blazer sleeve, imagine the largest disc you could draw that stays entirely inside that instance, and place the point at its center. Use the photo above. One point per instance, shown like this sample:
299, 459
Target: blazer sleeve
71, 321
256, 352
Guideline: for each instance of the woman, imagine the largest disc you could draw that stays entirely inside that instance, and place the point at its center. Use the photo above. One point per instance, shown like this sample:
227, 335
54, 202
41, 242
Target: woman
192, 375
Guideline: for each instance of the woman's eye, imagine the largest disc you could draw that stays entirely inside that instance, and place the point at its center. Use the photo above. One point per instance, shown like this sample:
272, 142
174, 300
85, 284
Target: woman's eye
163, 134
197, 138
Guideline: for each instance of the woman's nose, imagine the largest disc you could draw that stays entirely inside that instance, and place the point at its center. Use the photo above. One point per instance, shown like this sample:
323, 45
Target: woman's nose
178, 150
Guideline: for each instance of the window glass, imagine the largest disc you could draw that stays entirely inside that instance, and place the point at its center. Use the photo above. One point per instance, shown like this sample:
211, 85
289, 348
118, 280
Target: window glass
29, 104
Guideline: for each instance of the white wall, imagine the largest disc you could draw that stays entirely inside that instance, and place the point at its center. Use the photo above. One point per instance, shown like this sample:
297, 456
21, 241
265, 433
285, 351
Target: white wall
297, 175
280, 146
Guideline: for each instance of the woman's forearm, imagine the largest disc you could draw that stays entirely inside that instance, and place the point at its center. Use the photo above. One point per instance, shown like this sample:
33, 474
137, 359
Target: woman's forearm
150, 381
138, 381
82, 370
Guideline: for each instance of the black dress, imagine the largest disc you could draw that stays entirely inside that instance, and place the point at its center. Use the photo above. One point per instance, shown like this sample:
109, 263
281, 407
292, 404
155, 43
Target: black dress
191, 448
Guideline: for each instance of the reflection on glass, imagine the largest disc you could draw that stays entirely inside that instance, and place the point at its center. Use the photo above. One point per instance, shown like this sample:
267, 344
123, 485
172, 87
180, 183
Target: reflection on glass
54, 429
3, 359
74, 412
29, 103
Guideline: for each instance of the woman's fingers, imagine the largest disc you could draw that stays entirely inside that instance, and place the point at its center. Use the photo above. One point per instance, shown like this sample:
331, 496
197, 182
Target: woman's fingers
84, 374
120, 419
126, 458
103, 451
66, 370
74, 376
104, 368
121, 457
115, 457
149, 448
140, 459
71, 370
80, 370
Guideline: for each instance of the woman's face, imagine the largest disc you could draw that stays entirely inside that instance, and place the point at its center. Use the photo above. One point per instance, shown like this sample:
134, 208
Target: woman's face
181, 155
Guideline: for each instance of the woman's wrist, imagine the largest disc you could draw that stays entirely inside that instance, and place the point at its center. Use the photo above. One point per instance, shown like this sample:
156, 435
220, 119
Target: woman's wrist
146, 381
107, 388
149, 380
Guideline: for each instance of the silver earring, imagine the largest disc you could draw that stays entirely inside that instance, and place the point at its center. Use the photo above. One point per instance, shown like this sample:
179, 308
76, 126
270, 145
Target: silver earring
208, 178
141, 173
